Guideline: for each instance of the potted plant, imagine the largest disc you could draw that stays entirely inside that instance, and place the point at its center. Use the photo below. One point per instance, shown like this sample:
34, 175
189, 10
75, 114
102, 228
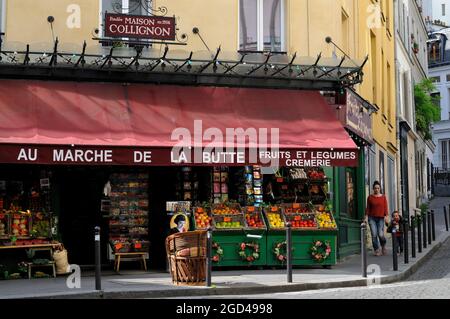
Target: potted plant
415, 48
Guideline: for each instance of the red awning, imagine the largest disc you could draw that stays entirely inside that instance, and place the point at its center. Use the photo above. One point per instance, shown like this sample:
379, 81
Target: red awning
42, 122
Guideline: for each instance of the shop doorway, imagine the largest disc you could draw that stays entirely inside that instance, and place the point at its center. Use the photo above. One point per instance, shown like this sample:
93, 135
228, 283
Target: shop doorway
80, 192
169, 184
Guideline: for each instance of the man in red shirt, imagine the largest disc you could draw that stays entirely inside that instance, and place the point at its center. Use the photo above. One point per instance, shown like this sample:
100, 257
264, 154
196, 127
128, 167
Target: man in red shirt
377, 215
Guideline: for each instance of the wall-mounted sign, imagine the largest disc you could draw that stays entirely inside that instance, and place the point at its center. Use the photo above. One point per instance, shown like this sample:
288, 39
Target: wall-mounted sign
352, 113
132, 26
358, 117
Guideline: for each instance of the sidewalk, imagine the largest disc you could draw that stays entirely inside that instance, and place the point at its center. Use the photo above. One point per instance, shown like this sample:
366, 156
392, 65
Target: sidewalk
134, 284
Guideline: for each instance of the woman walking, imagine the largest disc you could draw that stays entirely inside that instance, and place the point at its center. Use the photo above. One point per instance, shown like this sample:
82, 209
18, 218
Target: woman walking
377, 215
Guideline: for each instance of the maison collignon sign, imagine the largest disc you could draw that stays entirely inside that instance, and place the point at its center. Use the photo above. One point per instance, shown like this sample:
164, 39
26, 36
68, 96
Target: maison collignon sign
148, 27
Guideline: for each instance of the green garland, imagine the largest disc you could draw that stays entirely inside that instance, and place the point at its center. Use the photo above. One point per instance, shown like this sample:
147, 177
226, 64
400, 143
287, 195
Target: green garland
320, 250
280, 251
219, 252
252, 256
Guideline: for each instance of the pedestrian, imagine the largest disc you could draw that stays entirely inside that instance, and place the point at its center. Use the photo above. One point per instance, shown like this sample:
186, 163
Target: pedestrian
377, 216
396, 229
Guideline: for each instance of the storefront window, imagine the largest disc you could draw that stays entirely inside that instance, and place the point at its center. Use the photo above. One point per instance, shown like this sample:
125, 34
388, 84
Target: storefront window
261, 25
348, 196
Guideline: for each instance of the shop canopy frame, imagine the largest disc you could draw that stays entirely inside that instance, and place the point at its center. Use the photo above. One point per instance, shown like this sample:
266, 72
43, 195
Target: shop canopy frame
144, 64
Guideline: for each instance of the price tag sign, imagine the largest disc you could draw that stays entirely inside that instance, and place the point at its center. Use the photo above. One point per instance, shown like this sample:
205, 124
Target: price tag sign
280, 180
138, 245
118, 246
296, 205
251, 209
274, 209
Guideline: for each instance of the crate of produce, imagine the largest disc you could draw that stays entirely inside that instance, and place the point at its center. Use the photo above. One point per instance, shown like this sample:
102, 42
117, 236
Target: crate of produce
141, 245
228, 222
121, 246
202, 218
5, 226
21, 224
226, 209
325, 220
317, 194
316, 174
41, 225
275, 217
296, 208
303, 221
254, 218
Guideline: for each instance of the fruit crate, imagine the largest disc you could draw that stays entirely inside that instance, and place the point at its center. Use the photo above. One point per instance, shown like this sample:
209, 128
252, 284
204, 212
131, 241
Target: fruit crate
226, 209
5, 226
201, 222
120, 246
21, 225
141, 246
328, 218
317, 194
254, 218
302, 221
295, 208
41, 225
229, 222
278, 216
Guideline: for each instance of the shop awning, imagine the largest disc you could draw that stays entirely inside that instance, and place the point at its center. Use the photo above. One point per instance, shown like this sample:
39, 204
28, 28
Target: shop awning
108, 123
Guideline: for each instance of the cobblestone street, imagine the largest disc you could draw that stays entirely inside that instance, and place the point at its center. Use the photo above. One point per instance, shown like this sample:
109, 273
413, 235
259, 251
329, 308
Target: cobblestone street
432, 280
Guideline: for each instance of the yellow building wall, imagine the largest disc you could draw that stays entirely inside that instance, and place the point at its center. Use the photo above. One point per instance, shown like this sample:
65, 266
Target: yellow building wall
217, 21
308, 22
376, 75
26, 20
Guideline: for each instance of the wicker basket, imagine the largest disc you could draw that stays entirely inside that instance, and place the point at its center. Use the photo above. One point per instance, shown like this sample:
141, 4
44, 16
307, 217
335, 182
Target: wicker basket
187, 269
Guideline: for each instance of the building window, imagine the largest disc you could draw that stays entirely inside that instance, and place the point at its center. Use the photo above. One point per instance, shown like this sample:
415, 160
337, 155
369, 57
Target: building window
132, 7
345, 31
389, 92
373, 48
261, 25
443, 9
136, 7
434, 51
436, 79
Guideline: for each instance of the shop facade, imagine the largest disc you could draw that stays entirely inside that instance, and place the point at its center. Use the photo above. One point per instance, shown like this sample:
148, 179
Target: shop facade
134, 136
85, 145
